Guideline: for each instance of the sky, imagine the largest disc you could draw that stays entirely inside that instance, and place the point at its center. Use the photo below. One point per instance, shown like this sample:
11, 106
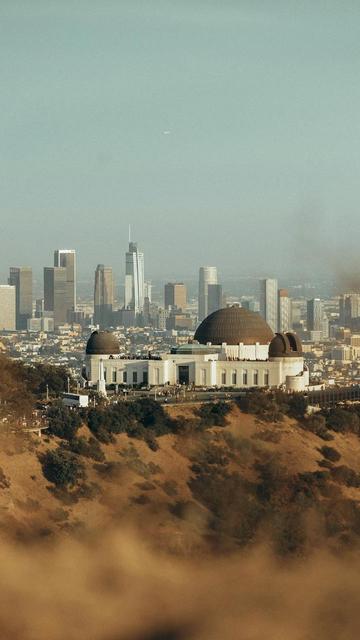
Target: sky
225, 131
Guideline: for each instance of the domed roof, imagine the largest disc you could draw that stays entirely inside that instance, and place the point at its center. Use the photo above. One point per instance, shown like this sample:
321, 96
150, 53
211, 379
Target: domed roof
285, 345
102, 343
234, 325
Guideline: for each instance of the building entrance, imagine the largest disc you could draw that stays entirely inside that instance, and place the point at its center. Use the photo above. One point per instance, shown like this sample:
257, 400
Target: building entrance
184, 375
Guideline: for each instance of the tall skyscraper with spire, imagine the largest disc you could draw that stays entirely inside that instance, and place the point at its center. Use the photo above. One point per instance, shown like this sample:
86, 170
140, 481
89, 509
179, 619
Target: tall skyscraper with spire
134, 278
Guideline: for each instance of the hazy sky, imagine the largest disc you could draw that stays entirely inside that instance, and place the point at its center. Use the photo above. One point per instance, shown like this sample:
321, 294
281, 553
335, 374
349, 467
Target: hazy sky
226, 132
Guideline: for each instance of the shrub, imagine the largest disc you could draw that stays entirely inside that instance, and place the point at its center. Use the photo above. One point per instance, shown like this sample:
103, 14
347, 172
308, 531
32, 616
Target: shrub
316, 424
63, 422
62, 468
261, 404
268, 435
342, 420
170, 488
330, 453
213, 414
87, 448
345, 475
297, 406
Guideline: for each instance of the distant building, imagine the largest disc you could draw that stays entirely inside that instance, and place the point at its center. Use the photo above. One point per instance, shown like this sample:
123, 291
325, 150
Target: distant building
284, 321
35, 325
66, 258
207, 276
269, 302
250, 305
175, 296
148, 291
39, 307
349, 308
179, 321
103, 296
7, 307
55, 294
134, 279
21, 279
314, 315
215, 298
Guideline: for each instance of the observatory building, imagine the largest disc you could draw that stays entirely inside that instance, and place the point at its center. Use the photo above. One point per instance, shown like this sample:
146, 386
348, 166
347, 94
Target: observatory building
232, 347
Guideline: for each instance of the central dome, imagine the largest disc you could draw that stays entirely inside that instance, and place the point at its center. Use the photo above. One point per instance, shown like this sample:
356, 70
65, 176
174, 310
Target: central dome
234, 325
102, 343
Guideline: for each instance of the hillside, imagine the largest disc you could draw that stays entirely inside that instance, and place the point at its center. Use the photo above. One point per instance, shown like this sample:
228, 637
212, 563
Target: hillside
201, 489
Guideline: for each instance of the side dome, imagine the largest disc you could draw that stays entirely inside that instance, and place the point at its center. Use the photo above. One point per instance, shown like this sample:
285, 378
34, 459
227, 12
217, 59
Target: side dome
234, 325
285, 345
102, 343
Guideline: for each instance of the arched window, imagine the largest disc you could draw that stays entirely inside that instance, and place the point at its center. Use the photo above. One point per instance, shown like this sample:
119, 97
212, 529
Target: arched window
203, 376
245, 377
223, 377
233, 378
256, 378
266, 378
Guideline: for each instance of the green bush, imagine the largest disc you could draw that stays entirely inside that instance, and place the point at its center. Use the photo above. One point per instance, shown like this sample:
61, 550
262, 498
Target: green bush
62, 467
343, 420
317, 424
261, 404
330, 453
63, 422
345, 475
87, 448
213, 414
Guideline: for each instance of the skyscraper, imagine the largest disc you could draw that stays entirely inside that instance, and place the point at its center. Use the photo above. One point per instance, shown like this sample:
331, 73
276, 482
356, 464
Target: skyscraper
284, 323
103, 296
207, 275
269, 302
134, 279
215, 297
55, 294
7, 307
175, 295
314, 315
66, 258
21, 279
349, 307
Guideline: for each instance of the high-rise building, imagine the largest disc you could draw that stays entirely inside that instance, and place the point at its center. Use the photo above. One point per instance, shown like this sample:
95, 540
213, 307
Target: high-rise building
55, 294
215, 297
175, 295
284, 321
7, 307
66, 258
349, 307
148, 291
269, 302
103, 296
39, 308
314, 314
134, 279
207, 275
21, 279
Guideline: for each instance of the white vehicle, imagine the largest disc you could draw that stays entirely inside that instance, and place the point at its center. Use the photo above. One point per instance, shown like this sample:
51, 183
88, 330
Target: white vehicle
75, 400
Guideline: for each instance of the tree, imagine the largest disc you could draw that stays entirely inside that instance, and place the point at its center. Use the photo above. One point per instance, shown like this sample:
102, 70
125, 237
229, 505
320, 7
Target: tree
63, 422
62, 468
